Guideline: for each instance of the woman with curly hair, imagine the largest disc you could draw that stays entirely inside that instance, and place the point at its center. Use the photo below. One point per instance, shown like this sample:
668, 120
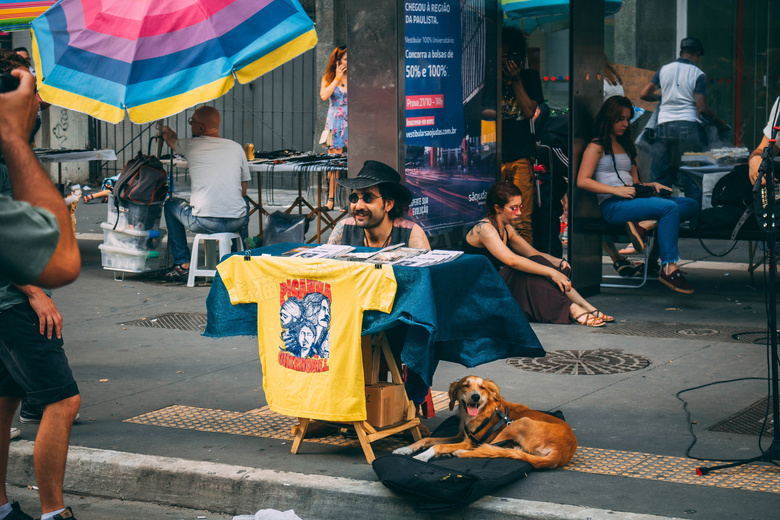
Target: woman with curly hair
334, 90
539, 282
609, 170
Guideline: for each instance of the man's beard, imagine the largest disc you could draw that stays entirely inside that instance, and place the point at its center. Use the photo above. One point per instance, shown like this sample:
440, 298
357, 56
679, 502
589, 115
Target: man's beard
370, 221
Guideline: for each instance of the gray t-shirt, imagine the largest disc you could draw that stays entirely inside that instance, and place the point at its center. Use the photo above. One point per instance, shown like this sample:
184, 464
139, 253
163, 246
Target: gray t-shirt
34, 233
217, 168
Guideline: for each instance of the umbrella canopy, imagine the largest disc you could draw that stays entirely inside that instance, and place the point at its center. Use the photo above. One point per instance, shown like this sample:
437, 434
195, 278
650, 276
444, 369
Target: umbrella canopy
545, 11
16, 15
155, 59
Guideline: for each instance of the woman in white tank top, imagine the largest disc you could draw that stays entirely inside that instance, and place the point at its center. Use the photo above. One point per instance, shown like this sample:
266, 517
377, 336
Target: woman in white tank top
608, 168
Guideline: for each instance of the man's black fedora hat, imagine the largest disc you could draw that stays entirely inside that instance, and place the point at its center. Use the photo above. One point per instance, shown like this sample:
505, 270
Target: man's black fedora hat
375, 172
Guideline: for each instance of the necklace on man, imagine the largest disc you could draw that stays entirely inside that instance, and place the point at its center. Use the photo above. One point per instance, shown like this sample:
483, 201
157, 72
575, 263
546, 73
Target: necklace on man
385, 244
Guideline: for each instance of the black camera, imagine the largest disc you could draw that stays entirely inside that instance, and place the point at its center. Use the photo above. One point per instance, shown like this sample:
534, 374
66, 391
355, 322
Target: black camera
663, 192
643, 191
8, 83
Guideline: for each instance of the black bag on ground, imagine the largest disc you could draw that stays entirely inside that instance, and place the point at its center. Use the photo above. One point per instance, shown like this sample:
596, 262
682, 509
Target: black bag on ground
449, 482
143, 181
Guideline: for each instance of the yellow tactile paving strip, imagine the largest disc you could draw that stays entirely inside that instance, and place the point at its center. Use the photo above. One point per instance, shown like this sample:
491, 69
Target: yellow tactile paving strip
262, 422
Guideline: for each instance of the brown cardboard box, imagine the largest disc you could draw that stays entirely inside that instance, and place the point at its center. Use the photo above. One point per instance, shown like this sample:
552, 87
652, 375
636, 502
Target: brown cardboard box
384, 404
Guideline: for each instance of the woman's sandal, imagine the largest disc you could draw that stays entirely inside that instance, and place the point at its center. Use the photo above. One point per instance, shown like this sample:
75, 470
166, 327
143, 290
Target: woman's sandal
329, 205
606, 318
590, 320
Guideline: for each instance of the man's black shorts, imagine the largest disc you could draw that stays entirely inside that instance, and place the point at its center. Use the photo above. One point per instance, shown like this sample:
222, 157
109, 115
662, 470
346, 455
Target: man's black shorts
30, 364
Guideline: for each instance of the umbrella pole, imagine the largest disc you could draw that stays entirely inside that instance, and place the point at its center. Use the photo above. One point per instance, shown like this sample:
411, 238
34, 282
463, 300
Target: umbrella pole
159, 126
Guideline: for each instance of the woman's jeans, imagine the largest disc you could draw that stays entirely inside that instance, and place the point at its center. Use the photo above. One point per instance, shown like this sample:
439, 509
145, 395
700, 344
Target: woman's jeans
179, 219
668, 212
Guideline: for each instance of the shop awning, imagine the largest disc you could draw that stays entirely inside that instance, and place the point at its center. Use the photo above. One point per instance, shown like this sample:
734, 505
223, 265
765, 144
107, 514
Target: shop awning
545, 11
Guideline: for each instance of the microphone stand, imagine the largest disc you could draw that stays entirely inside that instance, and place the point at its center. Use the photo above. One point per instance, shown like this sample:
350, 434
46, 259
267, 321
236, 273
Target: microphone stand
769, 224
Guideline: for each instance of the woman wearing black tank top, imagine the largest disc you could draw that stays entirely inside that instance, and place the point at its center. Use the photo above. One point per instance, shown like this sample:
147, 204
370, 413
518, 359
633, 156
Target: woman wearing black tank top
539, 282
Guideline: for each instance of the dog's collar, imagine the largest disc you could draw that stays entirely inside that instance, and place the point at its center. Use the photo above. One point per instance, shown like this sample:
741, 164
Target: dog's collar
504, 420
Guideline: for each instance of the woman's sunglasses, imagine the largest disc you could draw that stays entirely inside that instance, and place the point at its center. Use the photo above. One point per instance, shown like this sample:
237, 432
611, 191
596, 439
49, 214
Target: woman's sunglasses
367, 198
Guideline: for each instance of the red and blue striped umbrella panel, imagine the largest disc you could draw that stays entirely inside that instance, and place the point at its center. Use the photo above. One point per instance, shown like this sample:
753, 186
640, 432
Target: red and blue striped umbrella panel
157, 58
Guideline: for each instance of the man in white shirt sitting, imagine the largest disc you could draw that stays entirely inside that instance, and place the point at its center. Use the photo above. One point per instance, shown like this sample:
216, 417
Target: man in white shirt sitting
219, 173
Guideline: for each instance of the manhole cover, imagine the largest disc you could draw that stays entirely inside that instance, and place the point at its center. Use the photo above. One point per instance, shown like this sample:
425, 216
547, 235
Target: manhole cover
697, 332
173, 320
748, 421
582, 362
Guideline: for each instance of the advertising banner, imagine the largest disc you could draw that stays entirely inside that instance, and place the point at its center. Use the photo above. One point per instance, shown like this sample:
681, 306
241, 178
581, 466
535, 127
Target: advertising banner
449, 46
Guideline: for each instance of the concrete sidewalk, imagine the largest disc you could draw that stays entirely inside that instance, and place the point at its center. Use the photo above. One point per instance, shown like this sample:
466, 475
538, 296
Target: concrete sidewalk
171, 417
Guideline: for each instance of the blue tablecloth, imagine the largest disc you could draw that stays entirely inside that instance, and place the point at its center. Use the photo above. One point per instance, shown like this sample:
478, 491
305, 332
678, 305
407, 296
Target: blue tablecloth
460, 311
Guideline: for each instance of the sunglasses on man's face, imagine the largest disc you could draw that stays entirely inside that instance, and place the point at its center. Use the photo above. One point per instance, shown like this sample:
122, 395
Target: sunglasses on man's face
367, 198
190, 121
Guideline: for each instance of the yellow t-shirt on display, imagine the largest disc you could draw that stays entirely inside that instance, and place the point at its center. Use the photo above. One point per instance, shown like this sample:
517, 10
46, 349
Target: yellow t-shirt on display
309, 317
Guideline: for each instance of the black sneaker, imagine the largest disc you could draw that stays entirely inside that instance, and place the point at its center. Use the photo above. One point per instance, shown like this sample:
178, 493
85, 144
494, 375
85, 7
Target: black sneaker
177, 274
675, 281
30, 414
65, 515
17, 513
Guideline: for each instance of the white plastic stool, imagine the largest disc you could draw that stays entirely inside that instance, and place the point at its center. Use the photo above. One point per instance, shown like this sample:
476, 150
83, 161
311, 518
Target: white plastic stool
210, 241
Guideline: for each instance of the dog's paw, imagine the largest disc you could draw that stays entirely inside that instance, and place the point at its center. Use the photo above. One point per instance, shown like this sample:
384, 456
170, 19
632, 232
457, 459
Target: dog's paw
406, 450
458, 453
426, 455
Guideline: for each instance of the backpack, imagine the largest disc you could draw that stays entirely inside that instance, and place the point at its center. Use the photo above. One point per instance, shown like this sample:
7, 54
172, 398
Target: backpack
143, 181
734, 188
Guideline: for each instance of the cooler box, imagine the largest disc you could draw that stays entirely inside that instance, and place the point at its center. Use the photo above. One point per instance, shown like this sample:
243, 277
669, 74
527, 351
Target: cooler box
128, 260
131, 238
129, 215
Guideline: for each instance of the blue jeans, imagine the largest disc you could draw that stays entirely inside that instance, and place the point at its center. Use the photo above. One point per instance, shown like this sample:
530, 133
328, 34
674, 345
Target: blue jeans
668, 212
672, 140
179, 219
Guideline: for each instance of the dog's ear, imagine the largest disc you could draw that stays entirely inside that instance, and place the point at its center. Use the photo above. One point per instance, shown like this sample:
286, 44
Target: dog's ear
453, 393
492, 388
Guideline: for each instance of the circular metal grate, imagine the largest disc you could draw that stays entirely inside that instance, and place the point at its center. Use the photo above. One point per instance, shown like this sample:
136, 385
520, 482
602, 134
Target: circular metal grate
697, 332
582, 362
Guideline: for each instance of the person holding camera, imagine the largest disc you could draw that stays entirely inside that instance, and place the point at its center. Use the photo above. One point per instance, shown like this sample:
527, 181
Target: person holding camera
609, 170
522, 94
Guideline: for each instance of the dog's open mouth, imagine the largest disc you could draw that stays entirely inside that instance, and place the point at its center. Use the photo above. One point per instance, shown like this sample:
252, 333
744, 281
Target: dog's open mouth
472, 409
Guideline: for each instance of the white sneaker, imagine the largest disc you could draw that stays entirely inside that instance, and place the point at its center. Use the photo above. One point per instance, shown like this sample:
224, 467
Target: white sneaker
15, 432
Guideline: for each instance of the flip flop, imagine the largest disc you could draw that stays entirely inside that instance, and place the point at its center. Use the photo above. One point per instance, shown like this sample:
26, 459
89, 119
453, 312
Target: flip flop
590, 320
604, 317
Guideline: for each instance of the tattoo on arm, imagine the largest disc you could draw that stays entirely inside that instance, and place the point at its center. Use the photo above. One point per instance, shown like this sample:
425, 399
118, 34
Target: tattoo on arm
337, 234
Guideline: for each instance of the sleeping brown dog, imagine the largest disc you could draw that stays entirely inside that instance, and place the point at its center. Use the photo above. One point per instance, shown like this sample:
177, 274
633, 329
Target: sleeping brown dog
486, 419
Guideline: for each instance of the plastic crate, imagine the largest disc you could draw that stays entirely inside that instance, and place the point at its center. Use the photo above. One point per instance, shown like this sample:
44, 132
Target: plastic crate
133, 239
141, 217
129, 261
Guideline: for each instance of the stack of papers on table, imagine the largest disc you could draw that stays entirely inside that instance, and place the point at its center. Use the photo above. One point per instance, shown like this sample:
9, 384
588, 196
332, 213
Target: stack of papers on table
437, 256
323, 251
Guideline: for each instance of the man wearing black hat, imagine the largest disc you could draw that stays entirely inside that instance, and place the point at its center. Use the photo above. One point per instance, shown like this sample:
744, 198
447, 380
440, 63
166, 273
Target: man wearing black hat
683, 103
377, 204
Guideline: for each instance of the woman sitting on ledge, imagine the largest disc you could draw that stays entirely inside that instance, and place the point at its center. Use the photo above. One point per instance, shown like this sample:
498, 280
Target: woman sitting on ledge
608, 168
539, 282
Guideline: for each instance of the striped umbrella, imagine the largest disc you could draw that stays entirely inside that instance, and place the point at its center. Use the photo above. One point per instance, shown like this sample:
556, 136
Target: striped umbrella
157, 58
16, 15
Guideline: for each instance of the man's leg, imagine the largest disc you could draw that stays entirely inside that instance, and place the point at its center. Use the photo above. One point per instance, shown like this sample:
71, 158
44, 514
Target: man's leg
8, 407
519, 173
178, 214
661, 169
692, 139
51, 451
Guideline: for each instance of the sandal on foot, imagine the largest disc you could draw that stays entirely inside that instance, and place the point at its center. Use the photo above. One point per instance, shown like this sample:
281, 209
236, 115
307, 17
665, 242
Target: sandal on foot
177, 274
600, 315
330, 204
589, 321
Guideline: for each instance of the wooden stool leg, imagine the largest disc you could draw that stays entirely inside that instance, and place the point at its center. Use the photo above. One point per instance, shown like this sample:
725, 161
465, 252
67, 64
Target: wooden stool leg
364, 442
300, 433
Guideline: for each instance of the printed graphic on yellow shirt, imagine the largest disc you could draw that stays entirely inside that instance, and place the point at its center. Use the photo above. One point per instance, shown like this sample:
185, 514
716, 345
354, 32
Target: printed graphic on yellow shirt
305, 318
